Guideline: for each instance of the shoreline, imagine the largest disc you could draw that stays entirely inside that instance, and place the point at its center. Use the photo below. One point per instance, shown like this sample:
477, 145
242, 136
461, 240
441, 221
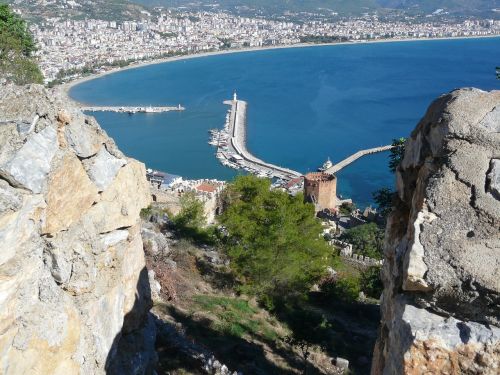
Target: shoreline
65, 88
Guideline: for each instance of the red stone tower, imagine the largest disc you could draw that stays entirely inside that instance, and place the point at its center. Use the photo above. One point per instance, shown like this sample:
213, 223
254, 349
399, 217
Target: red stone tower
321, 189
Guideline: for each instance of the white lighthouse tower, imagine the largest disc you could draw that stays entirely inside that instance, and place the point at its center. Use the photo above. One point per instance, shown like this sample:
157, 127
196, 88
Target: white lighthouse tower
235, 96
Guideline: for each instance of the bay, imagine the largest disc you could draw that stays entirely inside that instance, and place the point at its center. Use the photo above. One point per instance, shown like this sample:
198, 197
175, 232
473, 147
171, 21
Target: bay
305, 104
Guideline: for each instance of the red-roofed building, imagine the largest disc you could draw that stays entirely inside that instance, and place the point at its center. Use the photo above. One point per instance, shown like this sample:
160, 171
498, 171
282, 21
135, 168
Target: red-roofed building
206, 188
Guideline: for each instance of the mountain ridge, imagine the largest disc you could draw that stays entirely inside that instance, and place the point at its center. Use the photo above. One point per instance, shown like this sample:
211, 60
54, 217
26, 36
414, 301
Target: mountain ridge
343, 7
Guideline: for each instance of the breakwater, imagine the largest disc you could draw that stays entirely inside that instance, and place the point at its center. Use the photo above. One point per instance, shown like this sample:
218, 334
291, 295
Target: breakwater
132, 110
231, 146
351, 159
232, 151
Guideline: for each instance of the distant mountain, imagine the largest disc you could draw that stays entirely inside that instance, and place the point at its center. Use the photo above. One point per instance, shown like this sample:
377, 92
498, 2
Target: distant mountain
79, 9
274, 6
452, 6
455, 7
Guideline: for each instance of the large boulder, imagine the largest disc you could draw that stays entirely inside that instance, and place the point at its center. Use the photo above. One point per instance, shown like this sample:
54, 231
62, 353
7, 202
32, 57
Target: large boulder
72, 270
441, 302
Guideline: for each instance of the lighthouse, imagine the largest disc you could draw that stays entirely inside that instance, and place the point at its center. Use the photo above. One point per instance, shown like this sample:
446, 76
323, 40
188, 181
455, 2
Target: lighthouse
235, 96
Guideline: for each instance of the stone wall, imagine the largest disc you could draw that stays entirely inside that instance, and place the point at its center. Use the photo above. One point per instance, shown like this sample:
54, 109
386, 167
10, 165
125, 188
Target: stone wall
72, 269
441, 302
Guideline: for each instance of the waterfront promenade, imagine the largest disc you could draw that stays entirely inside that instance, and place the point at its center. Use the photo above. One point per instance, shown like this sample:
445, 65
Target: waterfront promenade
132, 110
236, 128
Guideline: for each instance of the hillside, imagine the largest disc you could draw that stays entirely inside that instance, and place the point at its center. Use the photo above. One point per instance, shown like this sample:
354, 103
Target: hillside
276, 6
79, 9
452, 6
343, 7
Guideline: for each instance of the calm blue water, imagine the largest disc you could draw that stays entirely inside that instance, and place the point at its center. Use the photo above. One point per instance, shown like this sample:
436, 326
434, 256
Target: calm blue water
305, 104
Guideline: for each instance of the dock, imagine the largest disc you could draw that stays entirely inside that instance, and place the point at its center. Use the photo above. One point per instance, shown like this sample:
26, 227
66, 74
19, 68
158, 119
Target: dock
351, 159
132, 110
233, 151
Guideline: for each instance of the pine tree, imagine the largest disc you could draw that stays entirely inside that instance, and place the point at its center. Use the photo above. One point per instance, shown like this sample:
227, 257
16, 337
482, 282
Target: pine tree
16, 49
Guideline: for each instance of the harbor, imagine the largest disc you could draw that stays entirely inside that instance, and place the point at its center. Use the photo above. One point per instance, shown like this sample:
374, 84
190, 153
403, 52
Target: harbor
133, 110
232, 152
231, 146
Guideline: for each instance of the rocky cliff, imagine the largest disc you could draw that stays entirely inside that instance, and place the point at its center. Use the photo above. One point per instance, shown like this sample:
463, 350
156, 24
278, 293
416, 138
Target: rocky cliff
441, 303
72, 268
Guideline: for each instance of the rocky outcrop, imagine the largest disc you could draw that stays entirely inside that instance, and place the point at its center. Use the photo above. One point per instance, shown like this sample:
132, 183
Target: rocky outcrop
72, 268
441, 302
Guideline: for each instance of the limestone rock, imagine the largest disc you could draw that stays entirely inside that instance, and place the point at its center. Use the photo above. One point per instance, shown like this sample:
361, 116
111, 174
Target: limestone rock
70, 194
29, 167
10, 198
18, 228
102, 168
112, 238
494, 178
84, 136
155, 285
441, 302
72, 279
122, 201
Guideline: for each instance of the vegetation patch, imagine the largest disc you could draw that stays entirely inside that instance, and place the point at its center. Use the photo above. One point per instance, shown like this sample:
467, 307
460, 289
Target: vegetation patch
273, 240
16, 49
236, 317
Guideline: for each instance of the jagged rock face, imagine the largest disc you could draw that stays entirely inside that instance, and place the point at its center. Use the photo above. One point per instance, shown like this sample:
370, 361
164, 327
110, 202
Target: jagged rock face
72, 268
441, 302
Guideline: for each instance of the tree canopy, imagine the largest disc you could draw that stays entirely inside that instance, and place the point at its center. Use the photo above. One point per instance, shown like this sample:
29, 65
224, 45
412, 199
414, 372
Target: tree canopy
366, 239
273, 240
16, 49
383, 197
397, 153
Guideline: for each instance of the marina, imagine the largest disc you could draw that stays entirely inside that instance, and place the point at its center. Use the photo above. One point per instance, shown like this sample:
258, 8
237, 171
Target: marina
133, 110
231, 146
232, 151
287, 125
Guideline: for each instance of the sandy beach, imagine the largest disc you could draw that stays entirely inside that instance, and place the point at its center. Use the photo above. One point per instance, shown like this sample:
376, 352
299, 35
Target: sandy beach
66, 87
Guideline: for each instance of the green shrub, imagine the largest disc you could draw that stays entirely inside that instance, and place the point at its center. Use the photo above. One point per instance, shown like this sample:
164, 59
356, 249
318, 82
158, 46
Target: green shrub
366, 239
371, 283
345, 289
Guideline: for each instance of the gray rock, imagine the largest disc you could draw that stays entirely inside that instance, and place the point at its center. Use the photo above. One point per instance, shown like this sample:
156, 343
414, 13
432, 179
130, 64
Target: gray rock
155, 285
112, 238
494, 178
155, 242
29, 167
65, 302
442, 247
59, 263
10, 199
102, 168
83, 136
491, 121
342, 363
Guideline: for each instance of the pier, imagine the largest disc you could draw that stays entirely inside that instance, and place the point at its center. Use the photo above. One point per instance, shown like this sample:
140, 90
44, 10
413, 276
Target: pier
132, 110
233, 151
351, 159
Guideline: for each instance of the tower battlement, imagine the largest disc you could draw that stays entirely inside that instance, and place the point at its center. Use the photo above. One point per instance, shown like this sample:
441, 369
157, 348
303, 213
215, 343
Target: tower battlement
321, 189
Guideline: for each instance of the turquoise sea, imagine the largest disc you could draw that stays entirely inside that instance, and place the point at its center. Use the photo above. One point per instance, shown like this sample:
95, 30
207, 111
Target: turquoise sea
305, 104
